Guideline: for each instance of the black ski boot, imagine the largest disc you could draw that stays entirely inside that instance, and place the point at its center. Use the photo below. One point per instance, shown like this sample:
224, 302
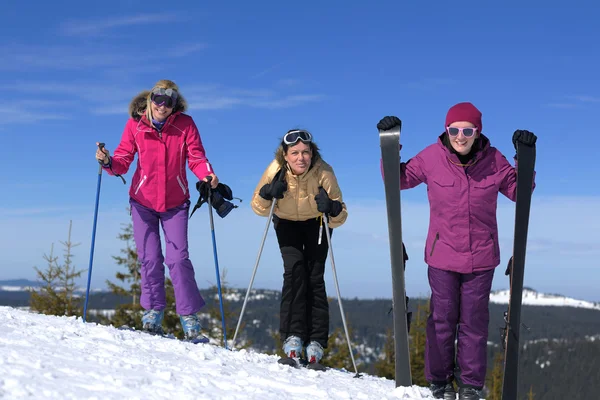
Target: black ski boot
443, 390
469, 393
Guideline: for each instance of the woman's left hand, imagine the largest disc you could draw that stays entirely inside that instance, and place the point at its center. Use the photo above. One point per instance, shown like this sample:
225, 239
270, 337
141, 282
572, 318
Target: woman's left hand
214, 181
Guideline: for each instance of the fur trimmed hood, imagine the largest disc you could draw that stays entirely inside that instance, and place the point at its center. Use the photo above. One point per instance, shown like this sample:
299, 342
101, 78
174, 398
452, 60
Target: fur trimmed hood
137, 106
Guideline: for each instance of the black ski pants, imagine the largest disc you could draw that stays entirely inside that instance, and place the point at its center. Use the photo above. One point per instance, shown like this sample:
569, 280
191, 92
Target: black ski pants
304, 308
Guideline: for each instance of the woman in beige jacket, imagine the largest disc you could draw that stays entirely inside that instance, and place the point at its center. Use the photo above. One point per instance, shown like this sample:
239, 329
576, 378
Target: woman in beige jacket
305, 187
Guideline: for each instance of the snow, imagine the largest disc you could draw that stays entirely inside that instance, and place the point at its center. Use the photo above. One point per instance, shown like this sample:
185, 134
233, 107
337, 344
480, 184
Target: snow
533, 298
46, 357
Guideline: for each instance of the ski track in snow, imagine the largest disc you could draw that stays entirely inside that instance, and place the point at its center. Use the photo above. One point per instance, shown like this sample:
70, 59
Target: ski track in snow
45, 357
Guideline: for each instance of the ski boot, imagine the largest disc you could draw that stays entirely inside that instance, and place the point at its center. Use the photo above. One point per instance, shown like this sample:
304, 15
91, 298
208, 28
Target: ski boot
152, 321
469, 393
443, 390
192, 329
314, 354
292, 347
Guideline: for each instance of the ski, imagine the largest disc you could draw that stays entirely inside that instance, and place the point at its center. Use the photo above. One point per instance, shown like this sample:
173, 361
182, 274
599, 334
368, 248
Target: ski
201, 340
516, 270
289, 361
390, 155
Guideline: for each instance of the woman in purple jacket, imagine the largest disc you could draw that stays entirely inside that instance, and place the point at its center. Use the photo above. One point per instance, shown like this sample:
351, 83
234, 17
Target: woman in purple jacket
463, 174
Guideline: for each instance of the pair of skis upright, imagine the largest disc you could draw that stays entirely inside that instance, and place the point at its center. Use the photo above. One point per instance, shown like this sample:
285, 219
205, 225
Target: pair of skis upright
516, 270
390, 155
390, 158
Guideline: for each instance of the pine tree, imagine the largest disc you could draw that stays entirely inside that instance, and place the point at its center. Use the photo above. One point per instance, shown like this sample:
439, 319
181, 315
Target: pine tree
385, 366
495, 378
530, 394
56, 297
129, 313
337, 353
417, 345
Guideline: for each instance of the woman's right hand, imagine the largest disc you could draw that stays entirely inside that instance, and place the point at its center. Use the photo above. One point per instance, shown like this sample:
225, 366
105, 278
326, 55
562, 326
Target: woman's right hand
389, 122
102, 154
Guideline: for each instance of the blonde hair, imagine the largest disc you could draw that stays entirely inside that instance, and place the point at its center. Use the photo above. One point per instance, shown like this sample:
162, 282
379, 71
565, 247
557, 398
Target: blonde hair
162, 84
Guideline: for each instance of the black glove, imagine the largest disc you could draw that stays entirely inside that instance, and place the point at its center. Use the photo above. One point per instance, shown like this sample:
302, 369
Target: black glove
275, 189
388, 123
525, 137
217, 197
327, 206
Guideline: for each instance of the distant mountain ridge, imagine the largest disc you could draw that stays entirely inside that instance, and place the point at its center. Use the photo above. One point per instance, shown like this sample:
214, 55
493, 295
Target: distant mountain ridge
532, 297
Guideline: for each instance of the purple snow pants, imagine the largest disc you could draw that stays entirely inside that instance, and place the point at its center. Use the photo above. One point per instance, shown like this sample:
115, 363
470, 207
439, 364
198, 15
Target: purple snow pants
147, 240
458, 311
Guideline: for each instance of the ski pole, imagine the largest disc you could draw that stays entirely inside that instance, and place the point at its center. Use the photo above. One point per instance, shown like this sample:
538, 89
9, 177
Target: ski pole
214, 241
281, 177
337, 288
89, 280
260, 249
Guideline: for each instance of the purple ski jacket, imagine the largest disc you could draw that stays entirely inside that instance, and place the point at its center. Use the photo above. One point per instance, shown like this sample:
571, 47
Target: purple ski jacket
463, 230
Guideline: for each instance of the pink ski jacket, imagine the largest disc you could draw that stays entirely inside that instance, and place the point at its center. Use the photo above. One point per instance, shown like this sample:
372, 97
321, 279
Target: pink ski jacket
159, 181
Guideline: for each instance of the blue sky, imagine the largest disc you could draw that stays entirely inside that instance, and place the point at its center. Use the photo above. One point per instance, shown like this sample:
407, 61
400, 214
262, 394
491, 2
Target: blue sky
251, 71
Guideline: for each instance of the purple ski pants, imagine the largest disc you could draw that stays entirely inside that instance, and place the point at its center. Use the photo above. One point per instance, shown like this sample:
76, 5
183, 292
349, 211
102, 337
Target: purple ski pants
147, 240
458, 311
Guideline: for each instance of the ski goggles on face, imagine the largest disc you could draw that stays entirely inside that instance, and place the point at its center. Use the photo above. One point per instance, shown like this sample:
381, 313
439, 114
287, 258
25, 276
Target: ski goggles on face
164, 97
467, 132
293, 136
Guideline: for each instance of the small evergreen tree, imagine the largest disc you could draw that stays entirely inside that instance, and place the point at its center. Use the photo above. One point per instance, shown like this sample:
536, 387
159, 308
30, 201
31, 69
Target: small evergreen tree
385, 366
495, 378
337, 353
57, 295
418, 336
128, 313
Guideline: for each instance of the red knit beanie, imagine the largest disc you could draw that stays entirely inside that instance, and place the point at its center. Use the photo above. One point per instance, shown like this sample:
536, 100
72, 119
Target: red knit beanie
464, 112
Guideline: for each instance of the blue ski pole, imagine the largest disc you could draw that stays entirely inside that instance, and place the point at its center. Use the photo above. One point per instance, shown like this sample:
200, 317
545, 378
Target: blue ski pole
87, 292
214, 242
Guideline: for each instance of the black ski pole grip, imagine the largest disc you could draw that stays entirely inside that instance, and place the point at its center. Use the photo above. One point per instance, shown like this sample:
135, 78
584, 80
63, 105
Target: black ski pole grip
101, 147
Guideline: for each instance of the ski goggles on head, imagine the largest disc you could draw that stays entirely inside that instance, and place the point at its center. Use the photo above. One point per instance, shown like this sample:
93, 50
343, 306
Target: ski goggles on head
293, 136
467, 132
164, 97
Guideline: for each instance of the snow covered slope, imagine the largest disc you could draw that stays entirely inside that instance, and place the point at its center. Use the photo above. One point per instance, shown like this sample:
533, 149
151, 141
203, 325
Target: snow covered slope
63, 358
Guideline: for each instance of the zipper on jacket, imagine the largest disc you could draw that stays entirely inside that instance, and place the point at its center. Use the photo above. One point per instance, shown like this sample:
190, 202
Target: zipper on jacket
493, 244
140, 184
181, 184
437, 236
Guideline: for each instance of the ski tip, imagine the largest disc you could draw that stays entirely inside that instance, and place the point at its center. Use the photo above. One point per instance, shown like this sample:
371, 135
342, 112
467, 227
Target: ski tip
287, 361
315, 366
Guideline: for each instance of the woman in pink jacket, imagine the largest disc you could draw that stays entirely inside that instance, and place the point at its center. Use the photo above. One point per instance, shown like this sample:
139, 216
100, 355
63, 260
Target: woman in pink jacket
464, 175
164, 139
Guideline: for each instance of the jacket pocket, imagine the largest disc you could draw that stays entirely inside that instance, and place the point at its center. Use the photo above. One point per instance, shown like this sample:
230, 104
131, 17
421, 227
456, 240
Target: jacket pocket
140, 184
437, 236
444, 182
181, 185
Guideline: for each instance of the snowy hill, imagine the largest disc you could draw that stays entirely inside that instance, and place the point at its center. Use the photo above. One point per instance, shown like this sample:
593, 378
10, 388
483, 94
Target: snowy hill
63, 358
534, 298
